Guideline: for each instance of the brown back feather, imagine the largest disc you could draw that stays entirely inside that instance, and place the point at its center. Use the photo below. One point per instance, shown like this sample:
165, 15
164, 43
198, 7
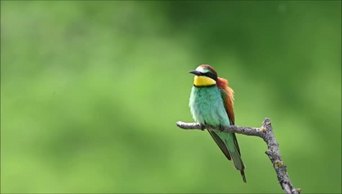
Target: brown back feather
229, 99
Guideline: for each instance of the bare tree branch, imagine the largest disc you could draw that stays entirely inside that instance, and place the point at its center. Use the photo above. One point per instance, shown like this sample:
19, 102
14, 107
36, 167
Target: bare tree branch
265, 132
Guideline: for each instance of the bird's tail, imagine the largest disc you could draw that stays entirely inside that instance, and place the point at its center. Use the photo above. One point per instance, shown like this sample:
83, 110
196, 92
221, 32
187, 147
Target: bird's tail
238, 163
234, 152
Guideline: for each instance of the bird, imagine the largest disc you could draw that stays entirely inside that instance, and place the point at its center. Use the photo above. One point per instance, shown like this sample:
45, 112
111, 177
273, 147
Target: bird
211, 103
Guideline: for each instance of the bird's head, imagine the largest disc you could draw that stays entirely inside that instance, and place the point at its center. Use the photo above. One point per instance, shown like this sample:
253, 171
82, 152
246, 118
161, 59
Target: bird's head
205, 75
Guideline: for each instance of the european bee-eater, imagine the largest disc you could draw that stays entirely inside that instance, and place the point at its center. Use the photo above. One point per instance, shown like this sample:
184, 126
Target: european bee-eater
211, 103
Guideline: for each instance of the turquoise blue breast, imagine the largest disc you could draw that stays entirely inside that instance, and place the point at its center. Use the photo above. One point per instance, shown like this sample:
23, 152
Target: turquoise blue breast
206, 106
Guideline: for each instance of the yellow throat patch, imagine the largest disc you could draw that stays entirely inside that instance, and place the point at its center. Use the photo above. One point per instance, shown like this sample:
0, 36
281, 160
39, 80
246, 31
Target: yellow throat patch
203, 81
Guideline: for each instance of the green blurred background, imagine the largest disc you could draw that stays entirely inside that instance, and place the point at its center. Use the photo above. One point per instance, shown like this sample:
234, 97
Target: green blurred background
91, 91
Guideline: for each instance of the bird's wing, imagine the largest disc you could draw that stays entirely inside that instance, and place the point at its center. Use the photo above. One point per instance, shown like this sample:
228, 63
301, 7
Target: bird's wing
228, 99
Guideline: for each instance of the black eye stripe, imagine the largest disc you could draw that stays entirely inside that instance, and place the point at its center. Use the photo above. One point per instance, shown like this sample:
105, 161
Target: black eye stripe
210, 74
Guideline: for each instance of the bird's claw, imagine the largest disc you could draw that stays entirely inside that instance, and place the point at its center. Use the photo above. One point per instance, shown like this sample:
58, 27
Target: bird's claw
202, 127
221, 128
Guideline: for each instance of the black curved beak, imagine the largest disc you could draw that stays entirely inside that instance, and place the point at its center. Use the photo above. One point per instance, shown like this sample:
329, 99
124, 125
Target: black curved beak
195, 72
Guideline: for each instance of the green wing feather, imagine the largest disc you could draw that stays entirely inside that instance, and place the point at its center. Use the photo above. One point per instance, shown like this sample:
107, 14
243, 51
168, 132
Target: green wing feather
229, 139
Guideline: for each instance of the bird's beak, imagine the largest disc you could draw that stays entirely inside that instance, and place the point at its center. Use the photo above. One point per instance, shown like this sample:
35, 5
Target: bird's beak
195, 72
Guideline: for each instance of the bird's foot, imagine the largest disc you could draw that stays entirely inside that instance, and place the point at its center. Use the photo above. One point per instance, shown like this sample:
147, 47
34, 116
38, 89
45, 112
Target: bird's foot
221, 128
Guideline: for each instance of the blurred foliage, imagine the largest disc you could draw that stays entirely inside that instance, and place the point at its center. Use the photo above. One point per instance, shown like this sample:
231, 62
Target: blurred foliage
91, 91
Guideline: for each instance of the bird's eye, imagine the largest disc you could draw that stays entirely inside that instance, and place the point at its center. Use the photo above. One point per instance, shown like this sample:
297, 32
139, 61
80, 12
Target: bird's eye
211, 75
